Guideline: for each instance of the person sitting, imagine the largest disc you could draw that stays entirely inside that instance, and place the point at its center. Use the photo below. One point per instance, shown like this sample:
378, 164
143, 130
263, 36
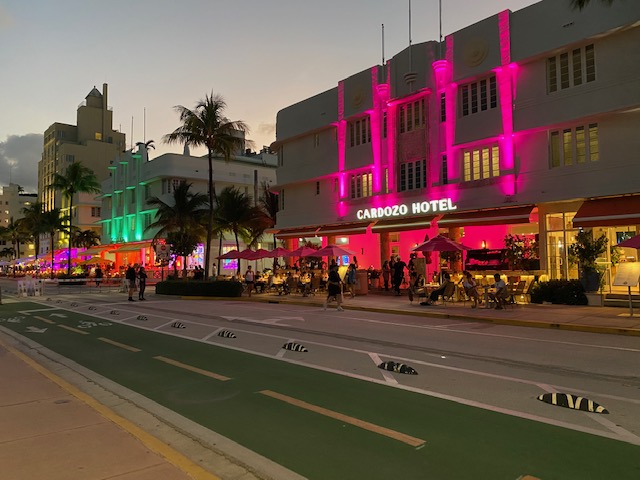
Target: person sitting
433, 296
500, 295
470, 288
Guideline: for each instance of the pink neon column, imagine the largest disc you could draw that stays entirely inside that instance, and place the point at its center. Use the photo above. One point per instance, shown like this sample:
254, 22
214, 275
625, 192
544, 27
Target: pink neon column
342, 140
392, 112
450, 107
379, 93
505, 79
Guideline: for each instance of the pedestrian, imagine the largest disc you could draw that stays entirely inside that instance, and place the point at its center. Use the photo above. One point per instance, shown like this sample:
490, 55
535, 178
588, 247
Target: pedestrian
214, 272
130, 276
99, 275
351, 279
334, 289
249, 279
142, 282
398, 274
386, 274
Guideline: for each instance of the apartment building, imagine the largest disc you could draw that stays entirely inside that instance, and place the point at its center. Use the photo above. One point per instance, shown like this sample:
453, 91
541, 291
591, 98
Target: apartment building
12, 201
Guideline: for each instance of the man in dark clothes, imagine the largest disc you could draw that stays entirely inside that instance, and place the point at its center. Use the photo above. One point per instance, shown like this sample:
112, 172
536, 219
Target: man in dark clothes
130, 275
398, 274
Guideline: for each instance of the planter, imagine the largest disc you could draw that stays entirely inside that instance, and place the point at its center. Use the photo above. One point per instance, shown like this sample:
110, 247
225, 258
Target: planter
375, 283
590, 280
595, 299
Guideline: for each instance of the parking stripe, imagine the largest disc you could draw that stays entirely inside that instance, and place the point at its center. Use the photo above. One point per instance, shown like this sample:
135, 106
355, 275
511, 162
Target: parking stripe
121, 345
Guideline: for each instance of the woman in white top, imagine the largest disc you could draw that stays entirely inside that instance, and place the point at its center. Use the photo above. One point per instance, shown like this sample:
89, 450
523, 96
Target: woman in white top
249, 279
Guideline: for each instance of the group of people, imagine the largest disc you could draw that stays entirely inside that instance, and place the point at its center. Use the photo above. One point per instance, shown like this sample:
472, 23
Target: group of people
136, 278
499, 294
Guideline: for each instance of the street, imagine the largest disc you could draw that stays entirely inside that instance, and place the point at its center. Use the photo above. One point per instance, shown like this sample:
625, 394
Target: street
330, 412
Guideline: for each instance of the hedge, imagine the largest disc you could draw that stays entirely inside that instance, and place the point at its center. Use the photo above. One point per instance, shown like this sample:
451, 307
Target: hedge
190, 288
563, 292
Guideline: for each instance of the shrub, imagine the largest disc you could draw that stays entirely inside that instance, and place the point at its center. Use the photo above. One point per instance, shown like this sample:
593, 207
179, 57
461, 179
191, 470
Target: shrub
563, 292
188, 288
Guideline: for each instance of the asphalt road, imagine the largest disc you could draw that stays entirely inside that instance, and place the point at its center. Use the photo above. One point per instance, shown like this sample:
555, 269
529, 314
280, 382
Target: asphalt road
330, 412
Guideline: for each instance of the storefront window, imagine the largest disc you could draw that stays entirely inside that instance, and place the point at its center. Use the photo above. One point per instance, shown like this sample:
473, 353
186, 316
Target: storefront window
560, 234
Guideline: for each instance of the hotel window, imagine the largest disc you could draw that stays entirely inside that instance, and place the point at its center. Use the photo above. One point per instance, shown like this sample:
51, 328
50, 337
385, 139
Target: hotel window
98, 136
132, 196
95, 211
316, 140
479, 96
281, 199
412, 115
444, 170
568, 70
579, 144
386, 180
413, 175
70, 158
361, 185
317, 188
360, 131
481, 163
384, 124
443, 107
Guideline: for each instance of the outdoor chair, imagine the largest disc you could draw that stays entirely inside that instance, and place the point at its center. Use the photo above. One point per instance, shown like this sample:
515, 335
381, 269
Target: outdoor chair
516, 291
449, 293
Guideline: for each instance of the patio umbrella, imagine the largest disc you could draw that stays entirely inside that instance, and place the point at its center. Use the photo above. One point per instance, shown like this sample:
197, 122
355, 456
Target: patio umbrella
258, 254
279, 252
440, 244
304, 252
633, 242
333, 251
233, 254
246, 254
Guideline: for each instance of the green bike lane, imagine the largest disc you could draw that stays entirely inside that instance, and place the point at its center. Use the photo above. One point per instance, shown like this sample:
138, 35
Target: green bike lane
319, 424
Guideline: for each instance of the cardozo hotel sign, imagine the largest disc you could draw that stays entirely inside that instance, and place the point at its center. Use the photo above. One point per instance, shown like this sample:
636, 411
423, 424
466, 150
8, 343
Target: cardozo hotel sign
402, 209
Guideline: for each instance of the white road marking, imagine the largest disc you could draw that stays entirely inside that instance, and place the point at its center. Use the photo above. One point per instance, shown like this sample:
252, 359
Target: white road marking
212, 334
282, 351
388, 376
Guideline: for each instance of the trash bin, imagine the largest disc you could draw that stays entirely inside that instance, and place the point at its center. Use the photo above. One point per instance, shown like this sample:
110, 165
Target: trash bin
362, 282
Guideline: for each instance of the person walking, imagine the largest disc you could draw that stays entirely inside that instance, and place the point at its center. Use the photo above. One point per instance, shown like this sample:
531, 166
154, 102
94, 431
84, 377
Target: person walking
386, 275
249, 279
334, 289
351, 279
99, 275
130, 276
142, 282
398, 274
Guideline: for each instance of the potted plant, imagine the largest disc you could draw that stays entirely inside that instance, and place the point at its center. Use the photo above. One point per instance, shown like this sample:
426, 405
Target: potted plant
521, 253
585, 251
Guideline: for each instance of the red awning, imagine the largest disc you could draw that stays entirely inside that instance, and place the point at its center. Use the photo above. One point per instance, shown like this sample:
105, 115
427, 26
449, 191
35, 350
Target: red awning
608, 212
403, 224
344, 229
497, 216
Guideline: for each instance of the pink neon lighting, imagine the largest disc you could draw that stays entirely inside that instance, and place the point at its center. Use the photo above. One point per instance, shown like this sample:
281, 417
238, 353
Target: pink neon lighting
392, 118
342, 140
506, 79
450, 107
376, 129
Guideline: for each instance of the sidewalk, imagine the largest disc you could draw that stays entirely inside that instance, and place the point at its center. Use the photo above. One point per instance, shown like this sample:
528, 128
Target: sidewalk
609, 320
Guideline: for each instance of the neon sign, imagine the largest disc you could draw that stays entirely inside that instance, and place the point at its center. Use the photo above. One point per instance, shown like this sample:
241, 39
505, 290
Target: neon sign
402, 209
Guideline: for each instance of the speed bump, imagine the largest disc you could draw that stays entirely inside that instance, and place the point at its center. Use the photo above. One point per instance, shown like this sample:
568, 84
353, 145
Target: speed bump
572, 401
226, 334
397, 367
296, 347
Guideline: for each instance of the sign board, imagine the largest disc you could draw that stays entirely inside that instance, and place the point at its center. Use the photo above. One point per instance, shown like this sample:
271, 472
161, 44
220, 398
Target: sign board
163, 253
627, 274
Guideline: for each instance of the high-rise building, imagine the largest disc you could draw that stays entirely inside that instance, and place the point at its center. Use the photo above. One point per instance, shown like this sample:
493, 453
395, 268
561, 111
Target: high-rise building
12, 201
94, 143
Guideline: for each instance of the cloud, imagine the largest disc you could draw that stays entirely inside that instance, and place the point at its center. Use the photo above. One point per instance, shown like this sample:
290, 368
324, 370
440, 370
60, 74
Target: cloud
5, 18
267, 129
19, 157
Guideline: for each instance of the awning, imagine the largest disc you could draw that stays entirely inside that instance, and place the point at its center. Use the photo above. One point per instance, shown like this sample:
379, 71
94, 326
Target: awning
608, 212
344, 229
298, 232
93, 250
402, 224
497, 216
130, 247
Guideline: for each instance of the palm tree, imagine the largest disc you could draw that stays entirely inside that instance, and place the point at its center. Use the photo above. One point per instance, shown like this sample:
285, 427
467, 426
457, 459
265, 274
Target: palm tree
84, 238
33, 223
182, 219
16, 232
207, 126
53, 222
146, 145
233, 213
581, 4
77, 179
269, 203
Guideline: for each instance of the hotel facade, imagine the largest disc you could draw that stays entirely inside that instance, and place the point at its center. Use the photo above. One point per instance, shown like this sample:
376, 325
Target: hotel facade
525, 123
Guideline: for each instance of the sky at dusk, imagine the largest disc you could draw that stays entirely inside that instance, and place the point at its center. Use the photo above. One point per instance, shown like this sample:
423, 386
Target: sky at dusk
260, 55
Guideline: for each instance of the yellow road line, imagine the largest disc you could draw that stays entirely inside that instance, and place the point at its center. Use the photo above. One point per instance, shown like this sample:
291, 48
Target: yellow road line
413, 441
121, 345
46, 320
172, 456
73, 329
207, 373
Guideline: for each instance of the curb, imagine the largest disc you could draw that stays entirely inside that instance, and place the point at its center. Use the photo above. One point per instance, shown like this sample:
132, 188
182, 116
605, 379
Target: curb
495, 320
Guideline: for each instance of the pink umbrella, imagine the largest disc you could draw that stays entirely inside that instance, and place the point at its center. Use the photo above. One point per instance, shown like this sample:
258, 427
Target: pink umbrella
233, 254
333, 251
279, 252
304, 252
440, 244
246, 254
258, 254
633, 242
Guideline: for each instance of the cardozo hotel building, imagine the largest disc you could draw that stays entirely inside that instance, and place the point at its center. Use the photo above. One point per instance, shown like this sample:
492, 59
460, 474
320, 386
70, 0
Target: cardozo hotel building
525, 123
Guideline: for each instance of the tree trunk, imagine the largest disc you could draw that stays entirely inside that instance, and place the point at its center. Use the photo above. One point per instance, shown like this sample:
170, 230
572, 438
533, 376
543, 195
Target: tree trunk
207, 250
69, 248
235, 232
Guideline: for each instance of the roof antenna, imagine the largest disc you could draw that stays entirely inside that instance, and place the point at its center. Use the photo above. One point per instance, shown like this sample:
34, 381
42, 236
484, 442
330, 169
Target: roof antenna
440, 44
383, 44
410, 76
